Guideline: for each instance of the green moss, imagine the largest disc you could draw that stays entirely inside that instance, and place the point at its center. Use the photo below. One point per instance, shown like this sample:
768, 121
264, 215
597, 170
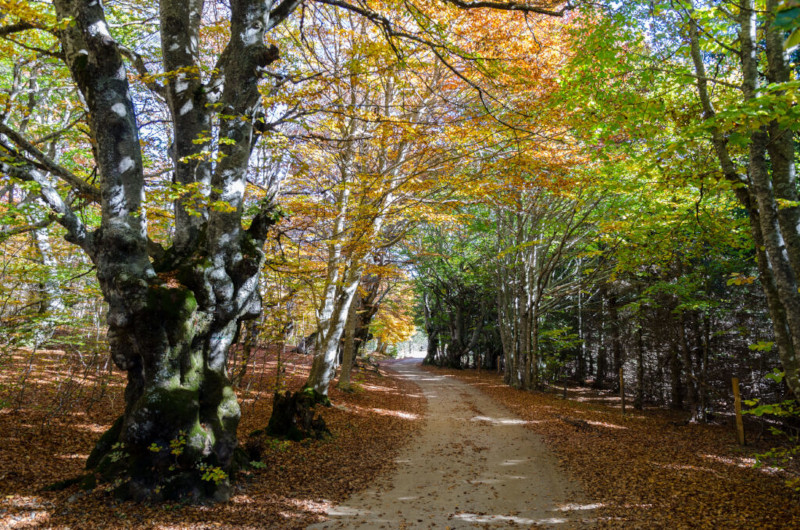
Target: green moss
316, 397
172, 405
174, 303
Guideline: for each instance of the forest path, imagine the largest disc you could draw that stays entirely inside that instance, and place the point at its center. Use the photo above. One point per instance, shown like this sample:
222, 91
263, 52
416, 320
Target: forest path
474, 464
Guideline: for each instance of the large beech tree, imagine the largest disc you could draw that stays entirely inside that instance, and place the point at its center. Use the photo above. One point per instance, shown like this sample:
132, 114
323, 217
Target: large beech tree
172, 313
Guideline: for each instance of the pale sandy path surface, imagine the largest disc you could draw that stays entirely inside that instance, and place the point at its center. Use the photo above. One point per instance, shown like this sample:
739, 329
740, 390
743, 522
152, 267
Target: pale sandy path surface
473, 465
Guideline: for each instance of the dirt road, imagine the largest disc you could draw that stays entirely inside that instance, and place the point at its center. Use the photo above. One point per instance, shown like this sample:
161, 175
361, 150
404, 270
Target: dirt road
474, 465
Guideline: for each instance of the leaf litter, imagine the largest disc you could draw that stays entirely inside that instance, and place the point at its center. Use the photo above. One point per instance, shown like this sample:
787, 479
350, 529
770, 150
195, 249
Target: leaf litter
45, 440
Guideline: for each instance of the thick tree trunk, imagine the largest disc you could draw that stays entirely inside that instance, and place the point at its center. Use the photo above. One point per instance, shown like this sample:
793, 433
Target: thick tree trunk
433, 347
173, 315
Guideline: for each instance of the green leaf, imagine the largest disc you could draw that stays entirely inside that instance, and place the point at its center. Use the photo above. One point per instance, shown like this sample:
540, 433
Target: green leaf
776, 376
793, 40
761, 346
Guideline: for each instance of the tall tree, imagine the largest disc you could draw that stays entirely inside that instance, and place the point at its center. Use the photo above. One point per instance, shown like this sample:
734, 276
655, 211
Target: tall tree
172, 313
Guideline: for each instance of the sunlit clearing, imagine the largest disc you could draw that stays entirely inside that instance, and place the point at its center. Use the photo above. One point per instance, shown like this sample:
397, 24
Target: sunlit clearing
382, 412
242, 499
742, 462
346, 511
73, 457
476, 518
504, 421
513, 462
679, 467
576, 507
310, 506
92, 427
604, 424
395, 413
376, 388
25, 512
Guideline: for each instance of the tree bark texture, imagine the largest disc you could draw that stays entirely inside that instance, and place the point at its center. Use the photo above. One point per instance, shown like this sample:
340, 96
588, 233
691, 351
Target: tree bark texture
172, 314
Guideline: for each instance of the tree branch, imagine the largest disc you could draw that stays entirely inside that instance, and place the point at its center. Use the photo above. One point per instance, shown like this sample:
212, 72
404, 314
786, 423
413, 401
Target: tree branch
12, 231
76, 230
511, 6
144, 73
282, 12
61, 172
15, 28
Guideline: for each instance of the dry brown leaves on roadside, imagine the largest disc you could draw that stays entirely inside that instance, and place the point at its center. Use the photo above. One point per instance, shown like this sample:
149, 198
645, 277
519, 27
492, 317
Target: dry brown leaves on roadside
41, 446
645, 469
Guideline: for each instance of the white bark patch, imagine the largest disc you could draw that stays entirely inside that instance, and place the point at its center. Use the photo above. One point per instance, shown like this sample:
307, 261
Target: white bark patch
235, 190
119, 109
187, 108
116, 200
99, 28
174, 46
126, 164
251, 35
180, 83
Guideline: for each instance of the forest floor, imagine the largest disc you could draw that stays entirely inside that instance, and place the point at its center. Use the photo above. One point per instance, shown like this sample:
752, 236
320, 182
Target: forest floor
639, 470
473, 465
55, 404
649, 469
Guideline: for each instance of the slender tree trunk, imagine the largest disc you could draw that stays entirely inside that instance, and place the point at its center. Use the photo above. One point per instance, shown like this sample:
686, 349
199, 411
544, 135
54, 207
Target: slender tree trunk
349, 348
616, 343
535, 381
525, 350
638, 402
580, 374
676, 389
688, 367
602, 352
323, 367
51, 307
706, 346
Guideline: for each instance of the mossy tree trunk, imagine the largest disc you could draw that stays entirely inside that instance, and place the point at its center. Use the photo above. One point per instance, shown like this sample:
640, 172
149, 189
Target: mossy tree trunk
177, 436
172, 313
